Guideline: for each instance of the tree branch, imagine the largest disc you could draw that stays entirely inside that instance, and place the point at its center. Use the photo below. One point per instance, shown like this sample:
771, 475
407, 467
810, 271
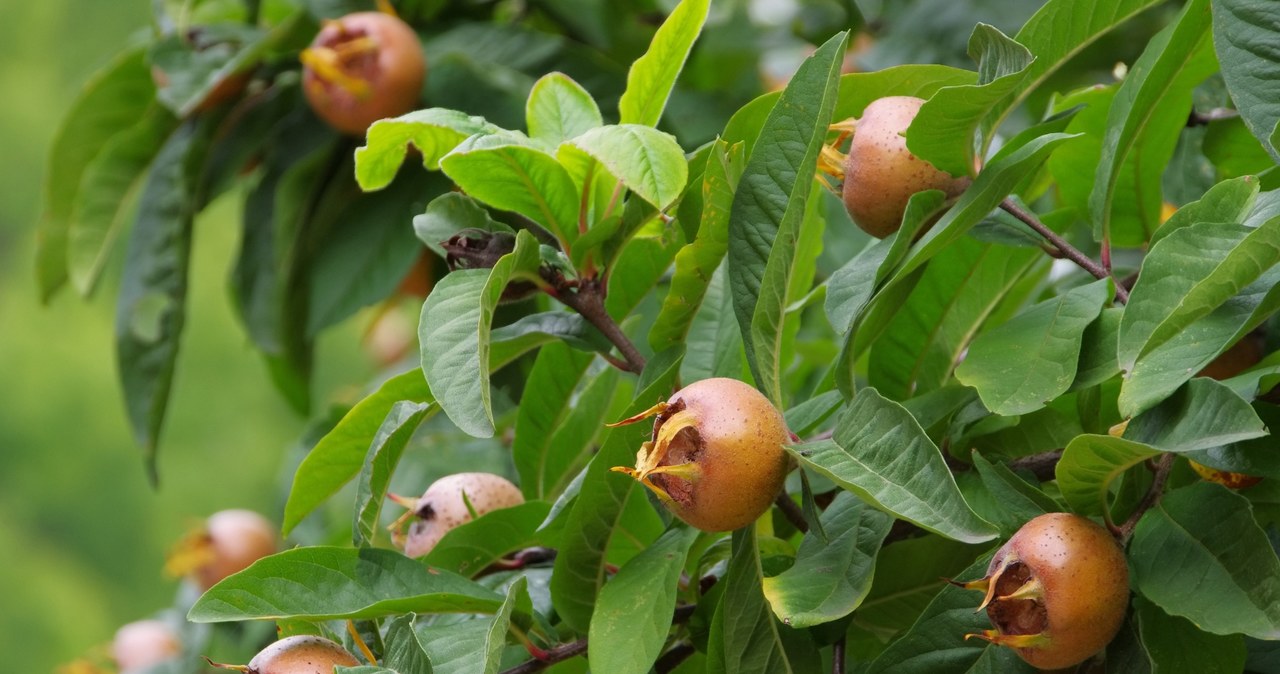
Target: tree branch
1041, 465
791, 511
1149, 500
588, 300
575, 648
1068, 251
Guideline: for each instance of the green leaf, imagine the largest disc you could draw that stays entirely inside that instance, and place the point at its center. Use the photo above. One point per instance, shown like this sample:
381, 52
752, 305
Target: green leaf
1098, 350
752, 639
713, 346
112, 102
1019, 501
1251, 457
1152, 103
449, 214
935, 643
469, 548
517, 599
930, 332
404, 652
380, 463
943, 130
514, 339
340, 455
434, 132
1233, 151
648, 162
769, 207
1243, 35
698, 260
596, 514
327, 583
509, 172
908, 575
830, 577
1199, 554
653, 75
1025, 363
560, 109
1178, 646
880, 453
454, 335
151, 307
633, 611
1228, 201
1190, 273
1200, 415
453, 647
109, 187
1090, 463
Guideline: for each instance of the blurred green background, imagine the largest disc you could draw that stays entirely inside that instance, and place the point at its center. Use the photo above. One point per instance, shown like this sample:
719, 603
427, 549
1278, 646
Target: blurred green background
82, 535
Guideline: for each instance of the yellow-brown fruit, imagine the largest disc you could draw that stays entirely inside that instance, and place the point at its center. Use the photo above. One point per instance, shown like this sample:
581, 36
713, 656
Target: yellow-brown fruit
1057, 592
361, 68
880, 174
228, 543
141, 644
442, 507
301, 655
716, 457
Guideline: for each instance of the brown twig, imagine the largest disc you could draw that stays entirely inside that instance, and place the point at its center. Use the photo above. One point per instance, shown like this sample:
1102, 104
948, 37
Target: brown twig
1041, 465
791, 511
1068, 251
837, 656
672, 658
575, 648
1149, 500
588, 301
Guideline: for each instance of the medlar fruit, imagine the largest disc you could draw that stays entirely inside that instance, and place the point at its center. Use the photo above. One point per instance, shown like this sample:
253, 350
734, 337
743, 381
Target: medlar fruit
228, 543
302, 654
445, 505
716, 457
143, 643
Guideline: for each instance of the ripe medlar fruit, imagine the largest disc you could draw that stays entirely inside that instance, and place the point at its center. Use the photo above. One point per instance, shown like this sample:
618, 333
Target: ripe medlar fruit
143, 643
228, 543
1056, 592
880, 173
444, 506
716, 457
361, 68
302, 654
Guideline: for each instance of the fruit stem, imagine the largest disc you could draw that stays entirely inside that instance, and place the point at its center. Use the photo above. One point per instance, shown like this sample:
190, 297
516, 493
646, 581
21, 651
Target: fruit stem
1149, 500
1068, 251
791, 511
837, 656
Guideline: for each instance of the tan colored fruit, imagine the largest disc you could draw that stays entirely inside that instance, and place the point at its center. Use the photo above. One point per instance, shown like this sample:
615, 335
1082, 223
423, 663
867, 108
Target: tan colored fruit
301, 655
880, 174
1057, 592
228, 543
716, 457
443, 507
144, 643
361, 68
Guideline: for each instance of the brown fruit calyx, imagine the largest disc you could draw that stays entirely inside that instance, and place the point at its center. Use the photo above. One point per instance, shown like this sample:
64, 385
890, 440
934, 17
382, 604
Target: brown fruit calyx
715, 458
1057, 592
879, 173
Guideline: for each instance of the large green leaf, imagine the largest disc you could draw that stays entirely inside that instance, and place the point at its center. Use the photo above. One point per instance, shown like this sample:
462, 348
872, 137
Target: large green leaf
109, 187
1018, 501
1259, 456
340, 454
713, 346
1200, 415
1244, 35
653, 75
434, 132
516, 600
1178, 646
752, 640
556, 374
1228, 201
560, 109
1025, 363
113, 101
1152, 103
510, 172
881, 454
404, 652
454, 335
908, 575
469, 548
596, 513
830, 577
327, 583
453, 647
769, 208
633, 611
1090, 463
928, 334
1200, 555
648, 162
380, 463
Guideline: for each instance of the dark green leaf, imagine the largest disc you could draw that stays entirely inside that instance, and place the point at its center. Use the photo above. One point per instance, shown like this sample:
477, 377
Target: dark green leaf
653, 75
453, 647
1019, 501
908, 575
714, 342
751, 640
1177, 646
1200, 415
1259, 456
380, 463
404, 652
1244, 34
517, 600
1090, 463
471, 547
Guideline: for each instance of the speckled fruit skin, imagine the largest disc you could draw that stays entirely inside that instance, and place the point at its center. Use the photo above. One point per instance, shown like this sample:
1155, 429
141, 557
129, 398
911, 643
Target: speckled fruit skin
1085, 583
143, 643
239, 538
394, 72
441, 507
738, 448
880, 174
303, 654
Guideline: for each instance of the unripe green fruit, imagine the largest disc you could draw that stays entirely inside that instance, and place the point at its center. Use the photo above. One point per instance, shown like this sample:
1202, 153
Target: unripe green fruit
1057, 592
880, 174
303, 654
716, 457
144, 643
441, 507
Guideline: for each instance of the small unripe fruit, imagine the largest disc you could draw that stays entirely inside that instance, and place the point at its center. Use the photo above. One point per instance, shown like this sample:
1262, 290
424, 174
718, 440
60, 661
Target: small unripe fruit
716, 457
228, 543
881, 174
303, 654
443, 507
1057, 592
361, 68
144, 643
